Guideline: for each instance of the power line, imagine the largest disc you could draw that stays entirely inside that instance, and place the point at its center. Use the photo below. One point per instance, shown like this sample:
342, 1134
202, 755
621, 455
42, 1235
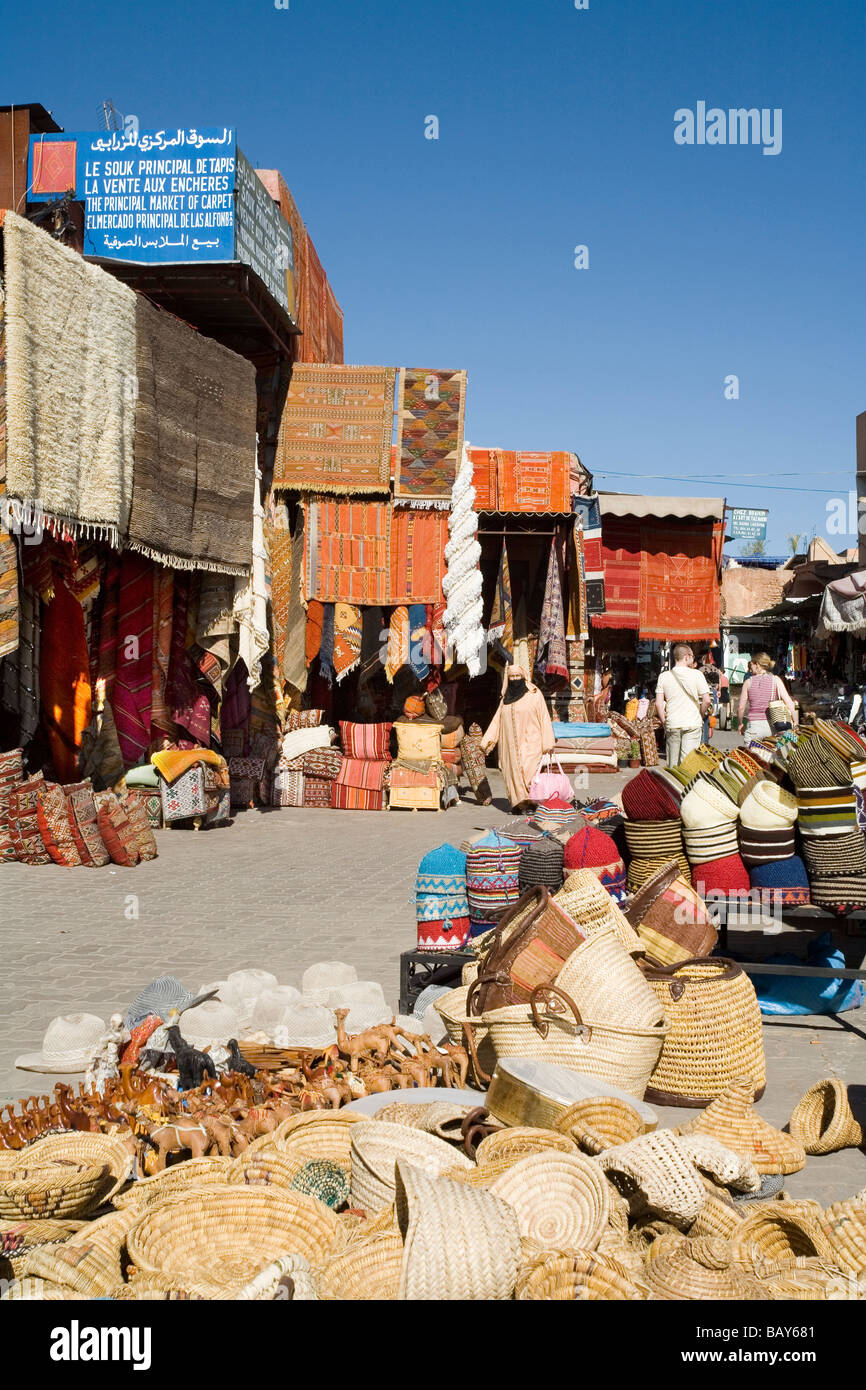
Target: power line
667, 478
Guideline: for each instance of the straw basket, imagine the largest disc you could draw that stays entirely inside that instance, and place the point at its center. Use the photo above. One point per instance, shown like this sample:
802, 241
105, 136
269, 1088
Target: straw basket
459, 1242
88, 1148
656, 1176
30, 1187
844, 1225
715, 1032
561, 1200
604, 982
228, 1232
813, 1281
89, 1264
16, 1237
264, 1168
700, 1269
367, 1270
780, 1234
519, 1142
181, 1177
375, 1151
594, 910
289, 1278
601, 1123
822, 1120
550, 1029
318, 1134
733, 1120
583, 1276
718, 1217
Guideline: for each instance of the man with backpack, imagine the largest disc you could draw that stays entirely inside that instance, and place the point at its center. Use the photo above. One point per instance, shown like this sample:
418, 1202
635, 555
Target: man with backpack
683, 697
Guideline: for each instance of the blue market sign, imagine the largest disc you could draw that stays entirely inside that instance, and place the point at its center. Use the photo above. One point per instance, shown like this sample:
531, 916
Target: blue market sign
747, 523
168, 198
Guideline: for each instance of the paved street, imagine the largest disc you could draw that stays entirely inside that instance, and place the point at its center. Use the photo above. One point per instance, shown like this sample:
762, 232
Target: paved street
280, 890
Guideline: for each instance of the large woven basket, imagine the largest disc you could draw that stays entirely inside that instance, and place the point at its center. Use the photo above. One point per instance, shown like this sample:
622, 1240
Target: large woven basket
459, 1242
779, 1234
604, 982
550, 1029
582, 1276
844, 1225
375, 1151
823, 1121
561, 1200
715, 1032
367, 1270
585, 899
227, 1233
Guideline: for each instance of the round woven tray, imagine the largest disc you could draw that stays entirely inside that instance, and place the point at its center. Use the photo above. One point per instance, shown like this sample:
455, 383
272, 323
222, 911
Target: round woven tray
562, 1200
31, 1187
226, 1233
583, 1276
318, 1134
104, 1149
181, 1177
520, 1141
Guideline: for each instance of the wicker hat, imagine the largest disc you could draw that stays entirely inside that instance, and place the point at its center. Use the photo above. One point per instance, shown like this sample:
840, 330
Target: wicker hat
768, 807
67, 1045
824, 1122
766, 846
649, 797
441, 905
460, 1241
160, 997
734, 1121
785, 879
211, 1024
728, 876
592, 849
706, 804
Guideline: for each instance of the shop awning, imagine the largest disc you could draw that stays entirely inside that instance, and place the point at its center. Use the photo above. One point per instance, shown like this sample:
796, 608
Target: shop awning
787, 610
633, 504
843, 605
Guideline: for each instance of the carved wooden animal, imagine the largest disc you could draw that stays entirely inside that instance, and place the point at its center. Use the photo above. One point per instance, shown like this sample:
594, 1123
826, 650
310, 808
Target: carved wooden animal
192, 1065
174, 1138
460, 1061
236, 1062
378, 1041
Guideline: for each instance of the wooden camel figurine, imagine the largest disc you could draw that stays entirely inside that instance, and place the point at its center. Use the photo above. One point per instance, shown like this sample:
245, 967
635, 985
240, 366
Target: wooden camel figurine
377, 1041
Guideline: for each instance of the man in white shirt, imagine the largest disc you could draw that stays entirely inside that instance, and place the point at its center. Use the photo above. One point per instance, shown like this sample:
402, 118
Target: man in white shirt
682, 699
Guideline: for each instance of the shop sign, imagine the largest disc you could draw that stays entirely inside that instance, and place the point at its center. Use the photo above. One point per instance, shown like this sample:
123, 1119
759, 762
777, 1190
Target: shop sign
747, 523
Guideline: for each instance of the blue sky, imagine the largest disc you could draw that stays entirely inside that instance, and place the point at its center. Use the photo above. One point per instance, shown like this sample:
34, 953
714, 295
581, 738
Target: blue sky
556, 129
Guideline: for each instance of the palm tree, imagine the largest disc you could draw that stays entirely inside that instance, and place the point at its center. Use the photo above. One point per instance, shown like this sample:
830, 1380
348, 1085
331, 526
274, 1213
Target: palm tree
794, 542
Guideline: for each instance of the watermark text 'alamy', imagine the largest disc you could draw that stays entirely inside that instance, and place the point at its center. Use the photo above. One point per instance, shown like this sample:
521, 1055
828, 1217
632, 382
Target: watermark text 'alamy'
736, 126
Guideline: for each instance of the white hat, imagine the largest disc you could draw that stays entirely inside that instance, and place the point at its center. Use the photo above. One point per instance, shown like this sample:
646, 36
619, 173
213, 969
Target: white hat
67, 1046
209, 1024
242, 989
318, 980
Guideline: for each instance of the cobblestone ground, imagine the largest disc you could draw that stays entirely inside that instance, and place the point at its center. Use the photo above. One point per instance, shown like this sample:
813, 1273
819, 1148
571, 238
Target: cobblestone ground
280, 890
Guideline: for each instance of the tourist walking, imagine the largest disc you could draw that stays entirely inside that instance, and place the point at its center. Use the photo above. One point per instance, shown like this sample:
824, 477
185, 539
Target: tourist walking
759, 688
682, 699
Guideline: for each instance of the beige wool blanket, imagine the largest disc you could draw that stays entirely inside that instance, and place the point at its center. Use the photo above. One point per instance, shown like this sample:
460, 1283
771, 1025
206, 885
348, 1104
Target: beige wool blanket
70, 385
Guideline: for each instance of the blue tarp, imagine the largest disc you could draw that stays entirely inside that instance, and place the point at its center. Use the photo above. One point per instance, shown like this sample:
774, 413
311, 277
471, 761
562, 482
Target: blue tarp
581, 730
797, 994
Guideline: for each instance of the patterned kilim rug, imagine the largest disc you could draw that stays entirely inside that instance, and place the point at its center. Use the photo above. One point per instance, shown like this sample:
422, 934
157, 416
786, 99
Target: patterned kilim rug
430, 414
418, 540
191, 488
335, 433
622, 564
679, 585
70, 364
348, 551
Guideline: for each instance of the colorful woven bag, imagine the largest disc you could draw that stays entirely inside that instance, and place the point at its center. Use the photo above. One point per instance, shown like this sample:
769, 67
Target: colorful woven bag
441, 905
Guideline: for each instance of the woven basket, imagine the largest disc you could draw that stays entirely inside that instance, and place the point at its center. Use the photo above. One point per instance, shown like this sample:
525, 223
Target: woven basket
375, 1151
318, 1134
779, 1234
264, 1168
733, 1120
90, 1263
844, 1225
656, 1176
31, 1188
601, 1123
485, 1176
822, 1120
604, 982
16, 1237
813, 1281
583, 1276
181, 1177
594, 910
287, 1278
715, 1032
519, 1142
459, 1242
551, 1029
719, 1216
439, 1117
561, 1200
702, 1269
88, 1148
367, 1270
227, 1233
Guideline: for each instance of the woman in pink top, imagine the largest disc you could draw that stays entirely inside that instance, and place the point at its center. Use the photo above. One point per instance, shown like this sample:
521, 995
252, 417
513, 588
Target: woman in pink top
760, 687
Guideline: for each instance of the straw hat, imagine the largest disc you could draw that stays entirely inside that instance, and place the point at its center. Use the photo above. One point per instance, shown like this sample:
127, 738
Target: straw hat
733, 1120
211, 1024
823, 1121
242, 989
561, 1200
459, 1242
723, 1164
67, 1046
656, 1174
